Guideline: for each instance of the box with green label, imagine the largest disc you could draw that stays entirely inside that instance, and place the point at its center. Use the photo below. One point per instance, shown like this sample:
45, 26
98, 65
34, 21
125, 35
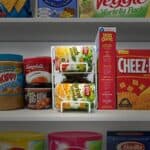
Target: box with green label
114, 8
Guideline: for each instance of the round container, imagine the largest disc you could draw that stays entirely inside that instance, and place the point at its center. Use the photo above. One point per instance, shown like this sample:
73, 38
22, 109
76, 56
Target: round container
37, 70
11, 81
22, 141
38, 96
75, 140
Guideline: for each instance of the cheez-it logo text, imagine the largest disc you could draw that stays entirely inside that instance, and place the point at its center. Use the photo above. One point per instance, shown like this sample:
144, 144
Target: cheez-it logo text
132, 65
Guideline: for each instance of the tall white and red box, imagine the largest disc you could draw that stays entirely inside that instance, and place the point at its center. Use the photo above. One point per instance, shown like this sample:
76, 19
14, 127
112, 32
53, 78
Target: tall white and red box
106, 47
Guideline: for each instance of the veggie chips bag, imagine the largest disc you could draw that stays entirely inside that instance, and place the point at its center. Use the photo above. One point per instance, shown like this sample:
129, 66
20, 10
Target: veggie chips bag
15, 8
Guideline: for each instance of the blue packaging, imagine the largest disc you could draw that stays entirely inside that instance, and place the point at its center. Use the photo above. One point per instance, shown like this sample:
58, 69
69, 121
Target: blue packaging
118, 140
15, 8
57, 8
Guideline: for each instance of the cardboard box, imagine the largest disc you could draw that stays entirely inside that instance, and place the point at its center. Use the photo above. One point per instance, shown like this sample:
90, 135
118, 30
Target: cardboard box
106, 47
114, 8
55, 8
128, 140
133, 79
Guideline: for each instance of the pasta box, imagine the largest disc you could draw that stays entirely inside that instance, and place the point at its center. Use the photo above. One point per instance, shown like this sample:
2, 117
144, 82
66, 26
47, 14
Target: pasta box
124, 140
133, 79
57, 8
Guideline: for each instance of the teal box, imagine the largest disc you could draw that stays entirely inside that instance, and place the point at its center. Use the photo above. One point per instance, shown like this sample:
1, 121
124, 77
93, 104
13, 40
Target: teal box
57, 8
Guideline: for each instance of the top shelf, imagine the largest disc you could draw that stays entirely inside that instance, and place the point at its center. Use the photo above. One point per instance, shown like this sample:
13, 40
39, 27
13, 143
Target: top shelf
71, 29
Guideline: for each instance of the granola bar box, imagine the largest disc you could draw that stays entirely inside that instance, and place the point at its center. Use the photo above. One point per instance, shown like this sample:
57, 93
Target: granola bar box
114, 8
133, 79
106, 47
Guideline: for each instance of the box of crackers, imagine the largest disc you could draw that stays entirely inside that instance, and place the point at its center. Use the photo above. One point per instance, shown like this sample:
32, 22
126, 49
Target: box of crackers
106, 47
114, 8
133, 79
15, 8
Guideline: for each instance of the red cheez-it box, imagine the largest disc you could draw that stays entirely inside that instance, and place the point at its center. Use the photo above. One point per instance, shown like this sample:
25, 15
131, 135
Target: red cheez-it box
133, 79
106, 43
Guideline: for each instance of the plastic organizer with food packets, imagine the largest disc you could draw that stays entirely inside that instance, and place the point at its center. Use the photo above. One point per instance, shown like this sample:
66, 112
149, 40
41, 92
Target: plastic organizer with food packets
74, 77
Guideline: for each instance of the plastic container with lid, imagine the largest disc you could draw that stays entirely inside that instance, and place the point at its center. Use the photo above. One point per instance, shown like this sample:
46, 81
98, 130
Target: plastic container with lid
22, 140
38, 96
75, 140
37, 69
11, 81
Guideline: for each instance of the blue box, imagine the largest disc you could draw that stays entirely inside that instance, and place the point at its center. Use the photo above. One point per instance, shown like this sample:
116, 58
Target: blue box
118, 140
57, 8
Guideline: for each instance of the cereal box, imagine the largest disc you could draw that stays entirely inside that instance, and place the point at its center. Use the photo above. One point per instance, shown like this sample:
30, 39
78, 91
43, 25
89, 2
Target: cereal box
124, 140
57, 8
15, 8
133, 79
114, 8
106, 46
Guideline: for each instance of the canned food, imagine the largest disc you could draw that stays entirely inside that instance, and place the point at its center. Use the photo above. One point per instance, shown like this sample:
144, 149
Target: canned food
37, 70
38, 96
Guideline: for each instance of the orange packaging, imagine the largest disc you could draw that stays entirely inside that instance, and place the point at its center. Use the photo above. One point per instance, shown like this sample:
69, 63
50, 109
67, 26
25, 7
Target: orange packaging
133, 79
106, 44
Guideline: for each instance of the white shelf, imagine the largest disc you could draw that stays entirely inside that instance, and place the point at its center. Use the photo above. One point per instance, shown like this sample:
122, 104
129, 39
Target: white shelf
50, 115
71, 29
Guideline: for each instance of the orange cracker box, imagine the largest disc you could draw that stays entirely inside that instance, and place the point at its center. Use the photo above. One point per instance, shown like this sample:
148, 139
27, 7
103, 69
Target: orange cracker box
106, 47
133, 79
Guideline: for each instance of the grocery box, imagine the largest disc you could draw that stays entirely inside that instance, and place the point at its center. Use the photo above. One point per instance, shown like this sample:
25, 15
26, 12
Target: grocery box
75, 96
57, 8
133, 79
127, 140
106, 51
74, 58
113, 8
15, 8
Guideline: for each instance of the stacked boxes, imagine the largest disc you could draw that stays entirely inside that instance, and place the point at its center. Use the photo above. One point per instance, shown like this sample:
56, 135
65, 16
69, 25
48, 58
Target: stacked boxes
106, 47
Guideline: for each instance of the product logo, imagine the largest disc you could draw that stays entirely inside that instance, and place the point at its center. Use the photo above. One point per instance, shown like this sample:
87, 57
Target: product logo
57, 3
7, 77
133, 65
131, 146
118, 3
107, 37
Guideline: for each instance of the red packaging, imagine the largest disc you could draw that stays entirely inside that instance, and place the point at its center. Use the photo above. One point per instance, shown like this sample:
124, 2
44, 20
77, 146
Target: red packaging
106, 43
133, 79
37, 70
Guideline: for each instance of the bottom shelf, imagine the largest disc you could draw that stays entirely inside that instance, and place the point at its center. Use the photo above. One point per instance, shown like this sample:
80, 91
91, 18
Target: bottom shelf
53, 115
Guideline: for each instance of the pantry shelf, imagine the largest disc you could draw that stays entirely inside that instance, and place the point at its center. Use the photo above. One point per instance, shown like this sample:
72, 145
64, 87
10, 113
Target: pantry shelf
51, 115
71, 29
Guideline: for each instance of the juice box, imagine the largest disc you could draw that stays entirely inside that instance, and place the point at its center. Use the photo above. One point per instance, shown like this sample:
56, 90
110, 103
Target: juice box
114, 8
106, 46
57, 8
133, 79
128, 140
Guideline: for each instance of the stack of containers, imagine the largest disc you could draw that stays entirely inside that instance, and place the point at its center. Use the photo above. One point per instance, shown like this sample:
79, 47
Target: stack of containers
38, 82
73, 77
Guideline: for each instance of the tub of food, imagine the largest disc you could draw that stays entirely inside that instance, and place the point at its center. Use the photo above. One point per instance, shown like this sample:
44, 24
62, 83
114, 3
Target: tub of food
38, 96
11, 81
37, 70
22, 141
75, 140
